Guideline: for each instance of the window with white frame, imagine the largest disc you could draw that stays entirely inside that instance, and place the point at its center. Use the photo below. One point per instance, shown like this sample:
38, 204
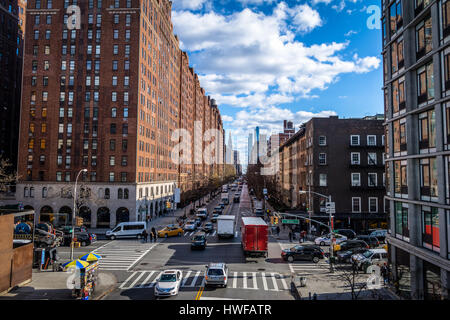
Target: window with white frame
354, 140
323, 179
356, 179
372, 179
356, 158
356, 204
373, 204
371, 140
372, 158
322, 158
322, 141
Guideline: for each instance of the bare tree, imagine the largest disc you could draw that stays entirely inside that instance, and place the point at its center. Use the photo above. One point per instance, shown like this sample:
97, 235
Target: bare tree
353, 279
7, 175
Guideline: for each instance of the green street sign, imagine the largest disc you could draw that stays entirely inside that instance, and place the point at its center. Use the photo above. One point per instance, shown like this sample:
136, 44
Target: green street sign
290, 221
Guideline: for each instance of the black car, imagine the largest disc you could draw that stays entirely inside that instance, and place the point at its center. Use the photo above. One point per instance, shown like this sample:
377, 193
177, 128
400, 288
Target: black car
373, 242
344, 256
350, 244
208, 227
198, 241
218, 210
236, 199
309, 253
83, 238
349, 233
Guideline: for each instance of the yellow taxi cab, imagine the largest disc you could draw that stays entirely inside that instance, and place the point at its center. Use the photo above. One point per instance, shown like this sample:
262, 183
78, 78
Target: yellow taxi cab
170, 231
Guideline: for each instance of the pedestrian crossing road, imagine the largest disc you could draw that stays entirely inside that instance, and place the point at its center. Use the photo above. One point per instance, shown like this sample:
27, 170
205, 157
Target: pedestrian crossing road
267, 281
122, 255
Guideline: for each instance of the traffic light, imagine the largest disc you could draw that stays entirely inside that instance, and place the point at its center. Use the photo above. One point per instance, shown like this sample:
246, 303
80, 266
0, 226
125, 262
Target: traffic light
271, 220
168, 204
307, 220
276, 220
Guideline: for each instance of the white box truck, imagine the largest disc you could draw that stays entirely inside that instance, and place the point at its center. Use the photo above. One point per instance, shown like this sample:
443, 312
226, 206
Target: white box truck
225, 198
225, 226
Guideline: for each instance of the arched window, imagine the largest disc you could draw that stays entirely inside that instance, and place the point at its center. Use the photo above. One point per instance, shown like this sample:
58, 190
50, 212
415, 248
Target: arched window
100, 193
44, 192
120, 194
25, 192
107, 193
31, 192
125, 196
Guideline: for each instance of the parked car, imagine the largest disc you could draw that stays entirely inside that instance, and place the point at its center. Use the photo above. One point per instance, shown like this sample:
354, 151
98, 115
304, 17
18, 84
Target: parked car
192, 226
214, 217
168, 284
373, 242
208, 227
350, 244
325, 240
371, 257
198, 241
309, 253
170, 231
349, 233
127, 230
84, 238
216, 274
380, 234
345, 256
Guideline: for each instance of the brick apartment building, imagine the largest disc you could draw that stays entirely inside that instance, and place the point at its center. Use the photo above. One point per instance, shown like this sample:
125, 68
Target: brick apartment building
12, 22
338, 157
416, 52
106, 97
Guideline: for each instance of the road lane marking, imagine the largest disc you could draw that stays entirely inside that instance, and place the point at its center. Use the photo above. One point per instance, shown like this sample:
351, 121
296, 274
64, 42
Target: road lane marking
285, 286
195, 279
138, 259
264, 280
146, 279
244, 277
152, 284
214, 233
186, 278
274, 281
136, 280
128, 279
234, 280
255, 286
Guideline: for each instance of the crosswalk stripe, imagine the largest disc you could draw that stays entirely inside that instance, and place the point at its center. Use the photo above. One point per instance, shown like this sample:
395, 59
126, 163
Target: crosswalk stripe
186, 278
234, 280
136, 280
123, 284
214, 233
285, 286
244, 277
146, 279
264, 280
154, 280
255, 286
195, 279
274, 281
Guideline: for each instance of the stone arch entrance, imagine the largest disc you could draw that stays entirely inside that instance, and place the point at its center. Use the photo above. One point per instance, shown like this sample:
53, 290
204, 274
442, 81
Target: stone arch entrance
46, 214
122, 215
103, 217
85, 213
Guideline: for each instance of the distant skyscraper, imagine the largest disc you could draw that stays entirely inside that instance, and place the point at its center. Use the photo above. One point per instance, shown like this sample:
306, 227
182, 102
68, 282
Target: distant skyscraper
249, 148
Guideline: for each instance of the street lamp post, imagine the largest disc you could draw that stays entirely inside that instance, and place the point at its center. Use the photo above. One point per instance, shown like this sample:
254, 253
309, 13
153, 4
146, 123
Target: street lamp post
74, 211
330, 226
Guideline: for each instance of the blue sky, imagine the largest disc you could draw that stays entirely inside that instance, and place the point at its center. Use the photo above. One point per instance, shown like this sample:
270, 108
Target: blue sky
265, 60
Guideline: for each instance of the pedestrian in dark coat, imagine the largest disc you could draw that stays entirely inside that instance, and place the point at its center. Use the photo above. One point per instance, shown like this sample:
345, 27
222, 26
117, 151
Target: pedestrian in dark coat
290, 236
145, 235
151, 237
278, 230
154, 233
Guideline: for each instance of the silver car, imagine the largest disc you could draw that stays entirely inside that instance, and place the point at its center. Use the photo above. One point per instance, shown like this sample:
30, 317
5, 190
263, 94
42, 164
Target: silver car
216, 274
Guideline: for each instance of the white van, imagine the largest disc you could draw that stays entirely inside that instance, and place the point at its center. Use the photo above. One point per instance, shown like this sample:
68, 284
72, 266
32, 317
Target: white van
127, 230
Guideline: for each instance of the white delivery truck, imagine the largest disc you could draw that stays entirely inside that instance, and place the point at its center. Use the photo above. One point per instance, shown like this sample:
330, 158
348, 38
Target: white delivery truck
224, 197
225, 226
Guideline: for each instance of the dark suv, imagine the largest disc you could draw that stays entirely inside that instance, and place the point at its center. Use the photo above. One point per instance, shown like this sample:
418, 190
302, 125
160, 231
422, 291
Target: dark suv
309, 253
373, 242
199, 241
350, 244
349, 233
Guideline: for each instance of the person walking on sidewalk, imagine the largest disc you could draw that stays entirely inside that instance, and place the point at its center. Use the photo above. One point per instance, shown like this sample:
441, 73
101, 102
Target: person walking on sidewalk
290, 236
278, 231
154, 234
145, 235
151, 237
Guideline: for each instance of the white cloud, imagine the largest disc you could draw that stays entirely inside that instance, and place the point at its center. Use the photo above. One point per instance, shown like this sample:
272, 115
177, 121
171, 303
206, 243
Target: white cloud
226, 118
255, 2
321, 1
188, 4
252, 59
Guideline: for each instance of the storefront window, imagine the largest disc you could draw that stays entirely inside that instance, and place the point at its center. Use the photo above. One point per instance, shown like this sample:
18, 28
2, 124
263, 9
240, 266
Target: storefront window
402, 277
432, 281
401, 221
430, 228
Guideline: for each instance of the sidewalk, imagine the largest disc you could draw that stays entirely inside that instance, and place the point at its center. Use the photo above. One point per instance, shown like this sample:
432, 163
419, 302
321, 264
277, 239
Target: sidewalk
50, 285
